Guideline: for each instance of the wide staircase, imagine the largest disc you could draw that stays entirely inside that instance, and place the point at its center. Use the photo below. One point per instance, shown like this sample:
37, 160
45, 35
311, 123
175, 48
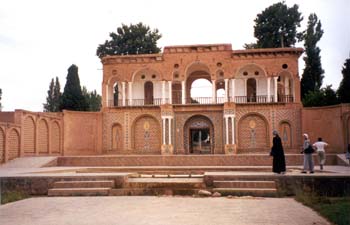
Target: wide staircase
241, 185
167, 184
81, 188
160, 185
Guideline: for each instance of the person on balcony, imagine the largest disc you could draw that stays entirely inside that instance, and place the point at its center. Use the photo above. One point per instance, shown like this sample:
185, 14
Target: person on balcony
279, 162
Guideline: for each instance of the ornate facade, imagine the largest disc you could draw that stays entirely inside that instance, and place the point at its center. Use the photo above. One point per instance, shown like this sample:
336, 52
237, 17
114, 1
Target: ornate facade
148, 107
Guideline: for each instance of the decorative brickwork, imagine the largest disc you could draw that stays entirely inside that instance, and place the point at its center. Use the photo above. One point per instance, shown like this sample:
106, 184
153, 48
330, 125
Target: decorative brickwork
55, 138
2, 145
253, 133
43, 137
215, 117
13, 144
29, 135
146, 135
117, 137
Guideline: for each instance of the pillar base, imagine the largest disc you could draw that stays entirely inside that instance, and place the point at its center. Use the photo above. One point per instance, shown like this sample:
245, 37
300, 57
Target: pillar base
231, 149
167, 149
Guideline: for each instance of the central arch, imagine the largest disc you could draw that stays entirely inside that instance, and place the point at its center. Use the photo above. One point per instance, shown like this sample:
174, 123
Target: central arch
199, 135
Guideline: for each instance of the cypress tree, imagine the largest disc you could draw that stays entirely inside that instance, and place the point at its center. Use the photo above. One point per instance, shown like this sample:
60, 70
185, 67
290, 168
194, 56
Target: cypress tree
49, 105
72, 97
344, 87
313, 73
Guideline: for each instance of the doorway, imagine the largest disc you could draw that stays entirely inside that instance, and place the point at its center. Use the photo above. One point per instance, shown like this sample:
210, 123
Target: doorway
148, 93
200, 142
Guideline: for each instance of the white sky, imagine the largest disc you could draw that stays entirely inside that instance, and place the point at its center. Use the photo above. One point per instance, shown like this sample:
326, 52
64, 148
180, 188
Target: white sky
39, 40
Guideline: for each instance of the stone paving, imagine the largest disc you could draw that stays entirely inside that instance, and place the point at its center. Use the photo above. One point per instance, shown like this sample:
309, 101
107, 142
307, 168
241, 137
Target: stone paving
157, 211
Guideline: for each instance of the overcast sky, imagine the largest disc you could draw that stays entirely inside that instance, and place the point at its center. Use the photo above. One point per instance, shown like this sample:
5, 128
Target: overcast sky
39, 40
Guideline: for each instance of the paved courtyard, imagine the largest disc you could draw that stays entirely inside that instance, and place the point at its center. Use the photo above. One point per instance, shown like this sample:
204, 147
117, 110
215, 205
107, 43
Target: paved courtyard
157, 211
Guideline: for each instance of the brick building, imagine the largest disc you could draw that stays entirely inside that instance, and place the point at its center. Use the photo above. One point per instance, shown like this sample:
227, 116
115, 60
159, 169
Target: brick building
148, 107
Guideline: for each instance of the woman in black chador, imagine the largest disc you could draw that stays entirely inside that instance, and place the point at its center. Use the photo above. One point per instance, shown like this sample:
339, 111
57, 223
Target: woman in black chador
279, 162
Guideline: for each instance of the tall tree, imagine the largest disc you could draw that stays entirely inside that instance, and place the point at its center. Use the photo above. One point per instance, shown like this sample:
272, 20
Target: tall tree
49, 105
132, 39
72, 97
344, 87
277, 27
313, 73
57, 95
0, 99
93, 100
53, 98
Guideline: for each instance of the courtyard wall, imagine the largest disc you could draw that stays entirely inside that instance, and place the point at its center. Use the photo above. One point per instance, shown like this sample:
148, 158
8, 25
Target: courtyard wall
332, 123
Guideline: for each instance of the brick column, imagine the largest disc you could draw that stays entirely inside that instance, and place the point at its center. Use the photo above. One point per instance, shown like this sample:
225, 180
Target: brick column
107, 96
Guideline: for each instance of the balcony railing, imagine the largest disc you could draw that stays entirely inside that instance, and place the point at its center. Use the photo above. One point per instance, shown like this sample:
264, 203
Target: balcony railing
258, 99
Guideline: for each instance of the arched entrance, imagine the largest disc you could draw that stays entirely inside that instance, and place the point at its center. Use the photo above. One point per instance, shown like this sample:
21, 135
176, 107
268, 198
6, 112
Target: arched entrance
148, 93
199, 135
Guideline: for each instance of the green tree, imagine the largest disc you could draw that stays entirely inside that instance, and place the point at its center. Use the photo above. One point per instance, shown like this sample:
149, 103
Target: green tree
93, 100
323, 97
313, 73
53, 98
72, 97
57, 95
344, 87
277, 27
49, 105
0, 99
133, 39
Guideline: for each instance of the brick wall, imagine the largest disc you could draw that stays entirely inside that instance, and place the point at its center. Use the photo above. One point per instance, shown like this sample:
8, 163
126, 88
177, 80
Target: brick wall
55, 138
43, 137
13, 144
2, 145
28, 135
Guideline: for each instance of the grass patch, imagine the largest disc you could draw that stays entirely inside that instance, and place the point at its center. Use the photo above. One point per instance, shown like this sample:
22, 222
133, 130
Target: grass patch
13, 196
335, 209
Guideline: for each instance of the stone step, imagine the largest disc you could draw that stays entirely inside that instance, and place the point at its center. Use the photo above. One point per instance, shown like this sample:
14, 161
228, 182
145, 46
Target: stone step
170, 183
85, 184
79, 191
244, 184
257, 192
152, 191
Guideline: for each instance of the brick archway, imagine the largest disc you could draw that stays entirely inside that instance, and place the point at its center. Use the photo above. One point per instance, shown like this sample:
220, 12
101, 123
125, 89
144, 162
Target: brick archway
199, 122
253, 133
146, 135
285, 132
43, 139
13, 144
29, 135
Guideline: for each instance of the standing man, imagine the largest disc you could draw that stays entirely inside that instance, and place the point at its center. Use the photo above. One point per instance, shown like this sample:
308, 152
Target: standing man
307, 150
320, 146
